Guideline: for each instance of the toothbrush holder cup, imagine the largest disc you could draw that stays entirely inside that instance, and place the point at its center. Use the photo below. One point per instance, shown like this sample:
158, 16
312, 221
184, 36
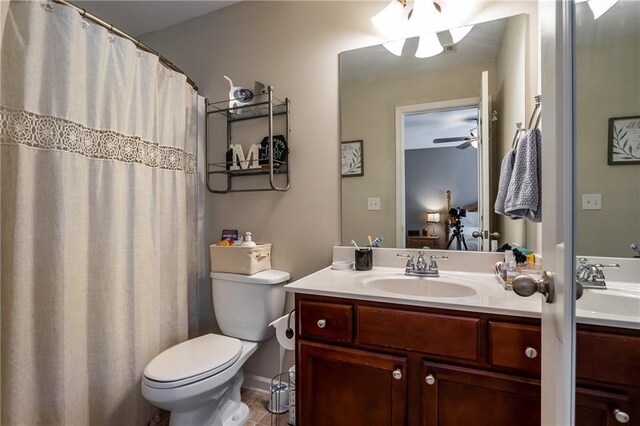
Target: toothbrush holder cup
364, 259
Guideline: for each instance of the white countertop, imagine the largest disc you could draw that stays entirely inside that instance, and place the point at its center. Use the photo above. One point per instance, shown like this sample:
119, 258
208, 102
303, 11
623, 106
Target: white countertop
490, 296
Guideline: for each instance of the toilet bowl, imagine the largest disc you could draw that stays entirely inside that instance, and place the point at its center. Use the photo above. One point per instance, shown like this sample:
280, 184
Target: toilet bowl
199, 380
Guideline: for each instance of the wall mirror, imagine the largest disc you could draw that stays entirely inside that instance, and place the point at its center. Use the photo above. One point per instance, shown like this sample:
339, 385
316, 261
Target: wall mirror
433, 132
607, 61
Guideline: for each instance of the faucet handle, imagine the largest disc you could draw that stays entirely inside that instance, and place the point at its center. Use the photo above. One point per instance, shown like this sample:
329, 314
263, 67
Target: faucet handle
433, 264
409, 257
610, 265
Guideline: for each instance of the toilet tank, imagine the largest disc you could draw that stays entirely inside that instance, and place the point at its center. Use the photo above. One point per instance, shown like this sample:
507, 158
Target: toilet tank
244, 305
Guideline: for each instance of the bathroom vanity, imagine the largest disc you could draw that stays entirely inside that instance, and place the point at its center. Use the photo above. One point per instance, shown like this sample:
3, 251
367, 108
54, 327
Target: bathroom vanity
367, 356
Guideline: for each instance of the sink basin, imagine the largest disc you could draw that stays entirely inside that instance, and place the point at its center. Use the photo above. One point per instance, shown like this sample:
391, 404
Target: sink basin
420, 286
610, 301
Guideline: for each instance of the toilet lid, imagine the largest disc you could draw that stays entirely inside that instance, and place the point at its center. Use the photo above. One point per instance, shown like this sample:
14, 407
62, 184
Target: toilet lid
194, 359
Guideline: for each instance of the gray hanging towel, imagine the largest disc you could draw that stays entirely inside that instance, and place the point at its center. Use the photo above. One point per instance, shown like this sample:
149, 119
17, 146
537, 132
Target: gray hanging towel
503, 184
524, 195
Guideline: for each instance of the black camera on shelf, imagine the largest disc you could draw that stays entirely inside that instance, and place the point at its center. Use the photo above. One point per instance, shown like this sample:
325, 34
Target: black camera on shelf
458, 212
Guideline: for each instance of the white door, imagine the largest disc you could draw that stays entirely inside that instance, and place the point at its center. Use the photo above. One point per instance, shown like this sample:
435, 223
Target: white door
484, 205
558, 315
558, 318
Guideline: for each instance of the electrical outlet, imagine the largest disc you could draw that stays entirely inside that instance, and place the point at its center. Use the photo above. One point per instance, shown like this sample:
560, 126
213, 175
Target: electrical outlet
591, 201
373, 204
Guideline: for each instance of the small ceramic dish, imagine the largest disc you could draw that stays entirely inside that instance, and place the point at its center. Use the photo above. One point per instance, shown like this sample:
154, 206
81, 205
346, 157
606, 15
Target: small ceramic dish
342, 265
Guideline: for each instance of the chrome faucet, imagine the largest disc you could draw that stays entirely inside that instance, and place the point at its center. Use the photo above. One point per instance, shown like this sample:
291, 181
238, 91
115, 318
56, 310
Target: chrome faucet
376, 241
420, 267
636, 250
591, 275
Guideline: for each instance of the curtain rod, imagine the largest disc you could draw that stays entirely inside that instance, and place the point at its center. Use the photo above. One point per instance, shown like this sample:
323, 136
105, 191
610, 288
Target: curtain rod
140, 45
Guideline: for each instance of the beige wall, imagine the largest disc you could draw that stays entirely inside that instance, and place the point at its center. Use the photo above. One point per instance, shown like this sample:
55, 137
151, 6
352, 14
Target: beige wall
509, 100
368, 113
607, 86
293, 46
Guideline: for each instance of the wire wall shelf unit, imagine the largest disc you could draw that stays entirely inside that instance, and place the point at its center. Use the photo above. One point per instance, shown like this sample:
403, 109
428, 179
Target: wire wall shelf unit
265, 107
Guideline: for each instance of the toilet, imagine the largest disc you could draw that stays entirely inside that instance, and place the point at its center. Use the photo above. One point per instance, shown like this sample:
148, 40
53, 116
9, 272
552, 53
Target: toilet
199, 380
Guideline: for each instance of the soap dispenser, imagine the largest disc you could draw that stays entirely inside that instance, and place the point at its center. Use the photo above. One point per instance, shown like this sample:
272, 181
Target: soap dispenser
248, 242
511, 269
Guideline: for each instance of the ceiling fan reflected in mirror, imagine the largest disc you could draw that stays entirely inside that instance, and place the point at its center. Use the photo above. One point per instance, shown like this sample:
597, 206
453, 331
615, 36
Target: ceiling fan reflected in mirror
467, 141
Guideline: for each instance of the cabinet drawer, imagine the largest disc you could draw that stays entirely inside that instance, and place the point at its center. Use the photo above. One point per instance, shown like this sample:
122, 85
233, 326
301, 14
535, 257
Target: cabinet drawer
509, 346
332, 321
608, 357
435, 334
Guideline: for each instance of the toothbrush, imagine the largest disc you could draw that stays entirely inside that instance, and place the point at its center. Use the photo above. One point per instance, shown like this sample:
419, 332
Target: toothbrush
370, 242
353, 243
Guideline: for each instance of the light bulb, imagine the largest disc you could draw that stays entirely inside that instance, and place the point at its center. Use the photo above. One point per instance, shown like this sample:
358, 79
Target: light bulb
423, 17
458, 34
389, 21
395, 47
428, 46
599, 7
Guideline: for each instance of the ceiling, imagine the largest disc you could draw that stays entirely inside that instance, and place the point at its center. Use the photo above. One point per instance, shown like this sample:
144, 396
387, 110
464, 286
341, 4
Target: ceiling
137, 17
619, 22
482, 43
422, 128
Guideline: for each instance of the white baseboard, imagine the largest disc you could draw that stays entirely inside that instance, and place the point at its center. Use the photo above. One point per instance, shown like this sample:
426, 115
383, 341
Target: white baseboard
257, 383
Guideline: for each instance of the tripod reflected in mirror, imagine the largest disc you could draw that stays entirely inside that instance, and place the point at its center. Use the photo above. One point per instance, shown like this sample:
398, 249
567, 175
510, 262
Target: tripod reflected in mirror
457, 213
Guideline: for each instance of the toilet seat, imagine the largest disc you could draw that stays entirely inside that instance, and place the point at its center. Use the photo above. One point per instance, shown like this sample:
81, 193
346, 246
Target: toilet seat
192, 361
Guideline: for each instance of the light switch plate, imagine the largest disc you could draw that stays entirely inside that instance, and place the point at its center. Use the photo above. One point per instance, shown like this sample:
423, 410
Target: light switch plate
591, 201
373, 204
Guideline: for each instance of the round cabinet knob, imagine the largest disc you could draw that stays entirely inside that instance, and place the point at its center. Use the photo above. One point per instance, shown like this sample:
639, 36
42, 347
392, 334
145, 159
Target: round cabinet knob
621, 416
322, 323
430, 379
530, 352
397, 374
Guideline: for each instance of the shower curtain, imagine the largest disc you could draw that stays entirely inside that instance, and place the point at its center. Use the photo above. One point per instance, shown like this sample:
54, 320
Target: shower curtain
98, 226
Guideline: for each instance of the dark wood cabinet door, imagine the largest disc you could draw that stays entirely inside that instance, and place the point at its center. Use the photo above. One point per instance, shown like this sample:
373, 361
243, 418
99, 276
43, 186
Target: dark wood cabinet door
347, 387
597, 408
456, 396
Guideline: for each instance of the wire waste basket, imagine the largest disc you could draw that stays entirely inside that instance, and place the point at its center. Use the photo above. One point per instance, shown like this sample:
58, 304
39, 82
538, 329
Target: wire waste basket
282, 399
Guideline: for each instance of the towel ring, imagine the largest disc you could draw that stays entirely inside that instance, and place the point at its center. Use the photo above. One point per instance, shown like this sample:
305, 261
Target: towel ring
516, 138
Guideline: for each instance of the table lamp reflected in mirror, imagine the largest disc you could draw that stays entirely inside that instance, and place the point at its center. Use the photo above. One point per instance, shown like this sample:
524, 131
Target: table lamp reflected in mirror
433, 217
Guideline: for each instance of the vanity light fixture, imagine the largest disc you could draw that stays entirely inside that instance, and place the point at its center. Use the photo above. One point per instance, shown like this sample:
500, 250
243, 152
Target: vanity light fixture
396, 24
390, 21
598, 7
424, 16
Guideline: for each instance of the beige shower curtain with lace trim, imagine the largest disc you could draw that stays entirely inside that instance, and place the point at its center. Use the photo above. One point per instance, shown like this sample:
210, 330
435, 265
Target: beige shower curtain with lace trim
98, 226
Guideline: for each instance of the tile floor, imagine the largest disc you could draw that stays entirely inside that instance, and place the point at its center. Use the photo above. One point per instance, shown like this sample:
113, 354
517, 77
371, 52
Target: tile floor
258, 413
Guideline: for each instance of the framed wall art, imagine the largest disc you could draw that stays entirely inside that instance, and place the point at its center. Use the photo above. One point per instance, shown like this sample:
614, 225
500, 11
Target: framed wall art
352, 160
624, 140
